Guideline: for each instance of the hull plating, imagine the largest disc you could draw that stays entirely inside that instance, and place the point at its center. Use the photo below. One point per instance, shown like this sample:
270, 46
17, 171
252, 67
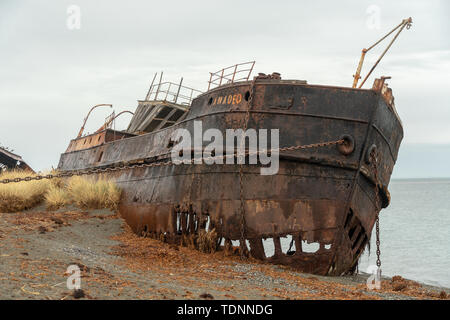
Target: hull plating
318, 195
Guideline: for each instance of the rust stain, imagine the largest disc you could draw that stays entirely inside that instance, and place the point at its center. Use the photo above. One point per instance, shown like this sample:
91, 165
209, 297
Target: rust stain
322, 196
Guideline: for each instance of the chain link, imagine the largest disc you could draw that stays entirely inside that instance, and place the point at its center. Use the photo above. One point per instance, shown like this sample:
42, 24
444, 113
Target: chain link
243, 246
242, 241
373, 158
378, 242
71, 173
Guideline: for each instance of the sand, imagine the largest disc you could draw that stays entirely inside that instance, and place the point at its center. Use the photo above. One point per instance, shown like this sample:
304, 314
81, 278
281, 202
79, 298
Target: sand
36, 247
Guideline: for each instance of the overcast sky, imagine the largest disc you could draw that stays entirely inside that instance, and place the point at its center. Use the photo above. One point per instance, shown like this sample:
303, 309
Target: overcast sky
51, 75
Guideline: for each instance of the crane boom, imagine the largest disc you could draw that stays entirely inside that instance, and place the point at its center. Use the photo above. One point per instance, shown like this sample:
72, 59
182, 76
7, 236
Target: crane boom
405, 23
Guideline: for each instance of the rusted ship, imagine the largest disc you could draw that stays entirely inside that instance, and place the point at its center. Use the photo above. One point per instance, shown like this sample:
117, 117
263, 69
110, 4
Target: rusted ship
338, 147
10, 161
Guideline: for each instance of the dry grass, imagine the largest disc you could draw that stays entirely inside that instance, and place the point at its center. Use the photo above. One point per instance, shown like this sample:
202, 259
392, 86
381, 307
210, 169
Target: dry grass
207, 241
93, 194
57, 193
56, 198
18, 196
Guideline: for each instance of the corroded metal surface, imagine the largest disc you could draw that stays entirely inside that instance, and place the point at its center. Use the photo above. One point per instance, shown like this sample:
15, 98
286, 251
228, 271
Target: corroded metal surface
322, 195
96, 139
9, 160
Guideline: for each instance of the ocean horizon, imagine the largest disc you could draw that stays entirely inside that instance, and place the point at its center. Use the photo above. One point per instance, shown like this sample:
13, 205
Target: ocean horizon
414, 232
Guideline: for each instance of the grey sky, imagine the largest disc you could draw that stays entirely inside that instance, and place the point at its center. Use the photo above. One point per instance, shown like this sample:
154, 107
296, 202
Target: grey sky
50, 75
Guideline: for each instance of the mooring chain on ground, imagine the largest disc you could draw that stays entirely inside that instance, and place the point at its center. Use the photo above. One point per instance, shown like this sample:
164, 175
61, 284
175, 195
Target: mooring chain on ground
373, 158
71, 173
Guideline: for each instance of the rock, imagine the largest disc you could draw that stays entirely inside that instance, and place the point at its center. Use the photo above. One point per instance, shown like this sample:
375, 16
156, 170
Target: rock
397, 278
443, 295
56, 220
78, 293
42, 229
399, 286
206, 296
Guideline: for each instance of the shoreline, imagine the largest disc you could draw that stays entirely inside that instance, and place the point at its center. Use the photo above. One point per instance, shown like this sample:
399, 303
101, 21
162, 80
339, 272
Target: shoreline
36, 247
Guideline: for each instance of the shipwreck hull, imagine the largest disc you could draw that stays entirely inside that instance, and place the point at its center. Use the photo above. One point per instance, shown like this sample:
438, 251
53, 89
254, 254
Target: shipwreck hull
325, 195
180, 200
11, 161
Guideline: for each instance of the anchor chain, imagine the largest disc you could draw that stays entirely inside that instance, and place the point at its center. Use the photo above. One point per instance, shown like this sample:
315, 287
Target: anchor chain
378, 242
112, 168
243, 250
373, 157
141, 164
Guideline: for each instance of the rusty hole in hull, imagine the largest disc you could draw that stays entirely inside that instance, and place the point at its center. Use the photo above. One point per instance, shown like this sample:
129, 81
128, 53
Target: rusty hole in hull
288, 245
311, 247
269, 247
187, 219
348, 218
352, 231
361, 233
195, 222
181, 222
246, 244
361, 247
144, 232
207, 223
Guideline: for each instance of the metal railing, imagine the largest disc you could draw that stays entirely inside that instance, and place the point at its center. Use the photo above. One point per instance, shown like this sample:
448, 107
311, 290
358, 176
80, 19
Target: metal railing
171, 92
237, 72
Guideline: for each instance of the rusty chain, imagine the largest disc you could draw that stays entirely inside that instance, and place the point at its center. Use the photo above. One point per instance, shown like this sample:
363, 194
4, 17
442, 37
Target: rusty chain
70, 173
373, 158
378, 241
243, 246
242, 241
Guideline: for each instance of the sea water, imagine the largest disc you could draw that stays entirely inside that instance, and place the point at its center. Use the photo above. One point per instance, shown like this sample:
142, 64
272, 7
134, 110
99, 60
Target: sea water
414, 233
